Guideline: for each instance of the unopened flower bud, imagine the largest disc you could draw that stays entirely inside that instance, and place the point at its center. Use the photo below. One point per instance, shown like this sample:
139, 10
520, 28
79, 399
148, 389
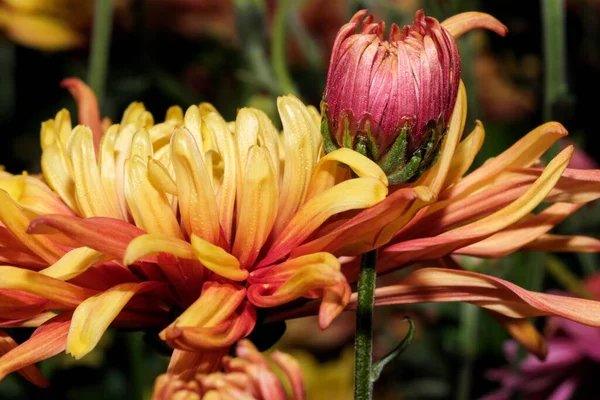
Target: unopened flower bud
391, 100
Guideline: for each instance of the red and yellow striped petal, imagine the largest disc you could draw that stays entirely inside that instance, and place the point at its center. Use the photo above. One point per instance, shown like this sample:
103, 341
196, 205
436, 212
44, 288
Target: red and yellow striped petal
29, 372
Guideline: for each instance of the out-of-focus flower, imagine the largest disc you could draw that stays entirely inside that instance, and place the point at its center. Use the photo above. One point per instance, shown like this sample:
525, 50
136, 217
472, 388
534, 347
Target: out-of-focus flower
248, 376
487, 213
186, 224
50, 25
573, 358
391, 100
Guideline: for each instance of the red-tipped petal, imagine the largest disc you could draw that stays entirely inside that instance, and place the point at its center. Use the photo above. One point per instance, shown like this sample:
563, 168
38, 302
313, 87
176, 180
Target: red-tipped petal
87, 107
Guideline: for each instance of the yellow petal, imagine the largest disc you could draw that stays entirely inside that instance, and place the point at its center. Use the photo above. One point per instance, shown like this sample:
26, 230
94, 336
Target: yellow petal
92, 317
258, 207
13, 217
154, 243
228, 184
15, 278
522, 154
299, 130
149, 207
107, 167
57, 171
141, 145
41, 32
199, 212
91, 197
465, 154
215, 304
160, 177
349, 195
325, 171
218, 260
74, 263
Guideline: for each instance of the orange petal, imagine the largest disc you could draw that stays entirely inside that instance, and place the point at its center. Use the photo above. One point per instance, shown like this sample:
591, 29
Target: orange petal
224, 334
292, 370
106, 235
522, 154
48, 340
88, 112
462, 23
560, 243
446, 285
30, 372
435, 247
186, 364
512, 239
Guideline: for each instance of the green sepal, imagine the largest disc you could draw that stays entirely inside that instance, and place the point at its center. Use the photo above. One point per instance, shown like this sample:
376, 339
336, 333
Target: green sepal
361, 147
403, 345
325, 132
408, 172
371, 145
395, 158
347, 139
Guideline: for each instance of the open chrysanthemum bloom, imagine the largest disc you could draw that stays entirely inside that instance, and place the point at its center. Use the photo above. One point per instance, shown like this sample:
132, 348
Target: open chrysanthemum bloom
248, 376
185, 225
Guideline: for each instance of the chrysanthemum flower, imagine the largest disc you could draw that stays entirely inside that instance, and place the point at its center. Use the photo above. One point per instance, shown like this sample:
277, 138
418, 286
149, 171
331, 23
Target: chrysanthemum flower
185, 225
248, 376
490, 212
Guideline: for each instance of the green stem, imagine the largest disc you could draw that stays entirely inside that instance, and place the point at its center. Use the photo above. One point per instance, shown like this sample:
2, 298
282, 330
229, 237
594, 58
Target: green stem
469, 316
278, 48
555, 74
98, 63
363, 384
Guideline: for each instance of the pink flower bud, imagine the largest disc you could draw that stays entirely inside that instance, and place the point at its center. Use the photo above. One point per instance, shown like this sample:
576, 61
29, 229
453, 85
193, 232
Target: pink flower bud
378, 90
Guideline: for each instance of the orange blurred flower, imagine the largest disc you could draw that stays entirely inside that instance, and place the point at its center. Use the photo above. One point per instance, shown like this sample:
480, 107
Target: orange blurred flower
248, 376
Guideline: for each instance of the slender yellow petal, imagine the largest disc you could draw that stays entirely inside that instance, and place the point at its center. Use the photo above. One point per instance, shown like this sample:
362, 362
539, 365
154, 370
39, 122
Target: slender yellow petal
300, 157
258, 206
56, 168
91, 197
218, 260
215, 304
149, 207
349, 195
522, 154
12, 216
465, 154
160, 177
92, 317
107, 167
228, 185
141, 145
74, 263
154, 243
324, 174
199, 212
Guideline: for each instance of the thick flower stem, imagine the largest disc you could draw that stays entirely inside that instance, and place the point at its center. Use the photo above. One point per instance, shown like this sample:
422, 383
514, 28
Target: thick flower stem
363, 351
98, 64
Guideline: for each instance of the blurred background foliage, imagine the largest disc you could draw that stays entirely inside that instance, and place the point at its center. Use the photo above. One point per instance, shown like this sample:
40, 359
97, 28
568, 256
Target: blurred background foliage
234, 53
